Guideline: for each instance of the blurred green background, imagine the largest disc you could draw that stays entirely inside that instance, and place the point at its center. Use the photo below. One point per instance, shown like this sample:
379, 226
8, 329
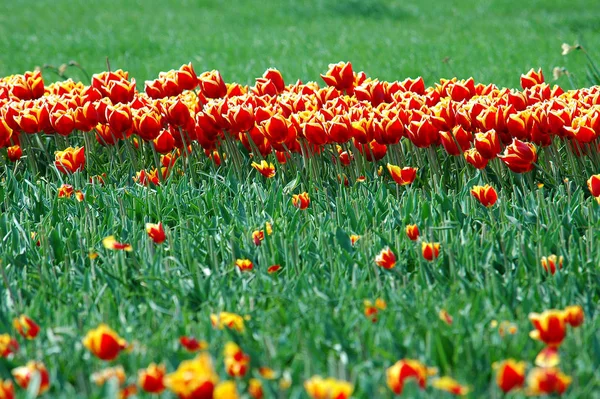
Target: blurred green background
493, 41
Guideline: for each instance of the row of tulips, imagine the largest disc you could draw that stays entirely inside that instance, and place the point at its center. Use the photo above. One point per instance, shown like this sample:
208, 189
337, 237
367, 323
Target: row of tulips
180, 112
197, 378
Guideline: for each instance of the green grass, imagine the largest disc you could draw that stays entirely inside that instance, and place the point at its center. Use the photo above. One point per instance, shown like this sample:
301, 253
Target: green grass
308, 319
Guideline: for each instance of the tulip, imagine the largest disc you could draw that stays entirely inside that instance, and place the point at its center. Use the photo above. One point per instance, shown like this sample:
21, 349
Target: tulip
519, 156
244, 265
593, 184
273, 269
264, 168
101, 377
8, 346
340, 76
151, 379
450, 385
65, 191
371, 310
548, 357
225, 390
104, 343
275, 76
575, 315
445, 317
402, 176
430, 250
552, 263
386, 258
229, 320
255, 389
510, 374
354, 238
111, 243
23, 375
487, 144
191, 344
7, 390
267, 373
26, 327
14, 153
258, 236
407, 369
546, 381
475, 158
212, 84
329, 388
70, 160
412, 232
193, 379
79, 195
550, 326
186, 77
532, 78
156, 232
236, 361
486, 195
457, 141
301, 201
276, 128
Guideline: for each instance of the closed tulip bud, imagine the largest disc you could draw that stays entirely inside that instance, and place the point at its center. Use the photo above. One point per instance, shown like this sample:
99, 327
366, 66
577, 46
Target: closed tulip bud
156, 232
552, 263
402, 176
63, 122
186, 77
104, 343
354, 238
412, 232
164, 142
14, 153
24, 374
488, 144
178, 114
151, 379
275, 76
314, 132
26, 327
548, 357
510, 374
532, 78
301, 201
593, 184
212, 84
550, 326
147, 124
118, 118
7, 390
475, 158
121, 91
407, 369
244, 265
575, 315
264, 168
70, 160
276, 128
430, 250
373, 151
386, 258
486, 195
519, 156
547, 381
423, 133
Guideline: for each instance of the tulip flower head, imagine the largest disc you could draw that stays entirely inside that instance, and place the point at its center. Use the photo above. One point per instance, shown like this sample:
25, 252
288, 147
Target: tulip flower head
547, 381
301, 201
430, 250
273, 269
193, 379
264, 168
593, 184
408, 369
227, 320
244, 265
151, 379
575, 315
552, 263
111, 242
412, 232
450, 385
70, 160
191, 344
156, 232
255, 388
24, 374
318, 387
548, 357
402, 176
7, 390
386, 258
26, 327
236, 361
104, 343
8, 346
550, 326
486, 195
371, 310
510, 374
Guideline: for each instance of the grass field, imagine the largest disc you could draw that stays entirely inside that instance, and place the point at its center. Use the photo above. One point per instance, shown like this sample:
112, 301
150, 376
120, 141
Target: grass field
308, 318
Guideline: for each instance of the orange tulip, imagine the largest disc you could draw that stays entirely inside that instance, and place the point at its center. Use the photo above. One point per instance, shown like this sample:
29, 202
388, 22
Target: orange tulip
550, 326
552, 263
450, 385
104, 343
236, 361
156, 232
70, 160
407, 369
510, 374
151, 379
386, 258
14, 153
193, 379
546, 381
26, 327
412, 231
229, 320
301, 201
111, 243
575, 315
593, 184
486, 195
327, 388
273, 269
23, 375
8, 346
430, 250
264, 168
191, 344
7, 390
65, 191
255, 389
475, 158
519, 156
244, 265
402, 176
